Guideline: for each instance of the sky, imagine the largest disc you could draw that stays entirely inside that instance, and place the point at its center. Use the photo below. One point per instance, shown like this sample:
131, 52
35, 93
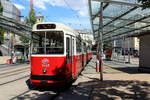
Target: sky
73, 13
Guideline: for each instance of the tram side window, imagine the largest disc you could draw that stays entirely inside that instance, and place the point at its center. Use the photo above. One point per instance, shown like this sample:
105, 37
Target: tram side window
85, 49
78, 45
67, 46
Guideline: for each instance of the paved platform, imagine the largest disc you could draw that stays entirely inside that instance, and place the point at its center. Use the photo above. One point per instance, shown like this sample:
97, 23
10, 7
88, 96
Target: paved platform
3, 59
121, 82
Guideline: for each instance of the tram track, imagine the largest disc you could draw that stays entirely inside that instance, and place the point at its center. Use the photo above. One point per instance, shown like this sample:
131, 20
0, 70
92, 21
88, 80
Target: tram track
12, 67
14, 80
12, 71
12, 74
18, 96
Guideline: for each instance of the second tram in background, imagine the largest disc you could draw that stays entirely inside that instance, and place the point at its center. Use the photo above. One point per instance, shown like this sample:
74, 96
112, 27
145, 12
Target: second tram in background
58, 54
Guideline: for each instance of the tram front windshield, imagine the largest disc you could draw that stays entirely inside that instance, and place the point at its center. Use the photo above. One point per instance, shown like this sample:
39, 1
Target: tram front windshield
49, 42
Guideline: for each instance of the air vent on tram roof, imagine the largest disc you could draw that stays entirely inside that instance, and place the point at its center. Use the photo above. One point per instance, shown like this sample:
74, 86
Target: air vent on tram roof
46, 26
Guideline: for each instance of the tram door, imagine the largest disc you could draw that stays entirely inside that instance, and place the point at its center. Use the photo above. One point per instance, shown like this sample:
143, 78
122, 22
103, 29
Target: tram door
69, 52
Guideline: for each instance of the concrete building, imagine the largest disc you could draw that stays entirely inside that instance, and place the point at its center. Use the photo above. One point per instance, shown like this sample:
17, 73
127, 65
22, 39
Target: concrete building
128, 44
39, 18
10, 10
144, 54
131, 43
86, 35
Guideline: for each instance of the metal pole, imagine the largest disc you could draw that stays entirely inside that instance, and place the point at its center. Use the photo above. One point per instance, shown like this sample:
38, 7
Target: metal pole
12, 47
114, 49
45, 43
124, 51
101, 42
129, 49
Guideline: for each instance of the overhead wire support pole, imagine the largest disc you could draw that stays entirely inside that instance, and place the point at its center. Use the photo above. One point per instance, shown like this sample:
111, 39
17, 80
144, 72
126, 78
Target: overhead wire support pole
100, 42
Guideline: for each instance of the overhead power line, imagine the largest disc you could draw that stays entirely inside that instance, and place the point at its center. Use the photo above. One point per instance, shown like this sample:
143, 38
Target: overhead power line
72, 10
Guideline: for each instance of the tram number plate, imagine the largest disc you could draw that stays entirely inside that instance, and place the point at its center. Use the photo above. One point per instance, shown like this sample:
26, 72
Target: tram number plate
45, 65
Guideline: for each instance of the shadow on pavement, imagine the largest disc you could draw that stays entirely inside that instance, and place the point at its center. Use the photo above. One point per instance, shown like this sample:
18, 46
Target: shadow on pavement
129, 70
109, 90
41, 93
37, 96
120, 90
97, 90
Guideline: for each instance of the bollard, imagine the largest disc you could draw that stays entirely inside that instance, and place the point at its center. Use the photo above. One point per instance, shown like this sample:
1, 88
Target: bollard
97, 66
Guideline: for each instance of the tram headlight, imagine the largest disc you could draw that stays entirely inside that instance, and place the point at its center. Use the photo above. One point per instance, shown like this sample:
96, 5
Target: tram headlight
44, 71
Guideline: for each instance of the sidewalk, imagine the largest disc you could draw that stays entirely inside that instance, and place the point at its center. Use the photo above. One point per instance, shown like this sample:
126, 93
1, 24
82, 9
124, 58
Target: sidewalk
123, 59
117, 84
3, 59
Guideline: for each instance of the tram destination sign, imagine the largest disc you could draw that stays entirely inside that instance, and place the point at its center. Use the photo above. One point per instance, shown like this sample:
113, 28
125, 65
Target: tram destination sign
46, 26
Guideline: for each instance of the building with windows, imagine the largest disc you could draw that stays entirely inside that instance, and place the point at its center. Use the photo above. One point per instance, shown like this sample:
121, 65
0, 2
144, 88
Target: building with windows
39, 18
86, 35
10, 10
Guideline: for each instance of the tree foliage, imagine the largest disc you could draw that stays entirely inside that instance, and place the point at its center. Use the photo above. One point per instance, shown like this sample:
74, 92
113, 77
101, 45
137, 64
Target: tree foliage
1, 8
24, 40
1, 30
145, 3
31, 19
107, 45
1, 36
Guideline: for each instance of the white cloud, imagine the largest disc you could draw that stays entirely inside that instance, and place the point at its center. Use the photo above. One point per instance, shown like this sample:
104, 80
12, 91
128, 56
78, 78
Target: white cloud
20, 7
83, 23
40, 4
80, 6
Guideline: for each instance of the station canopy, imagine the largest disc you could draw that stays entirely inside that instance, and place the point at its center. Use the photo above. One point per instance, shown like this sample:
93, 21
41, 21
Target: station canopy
115, 19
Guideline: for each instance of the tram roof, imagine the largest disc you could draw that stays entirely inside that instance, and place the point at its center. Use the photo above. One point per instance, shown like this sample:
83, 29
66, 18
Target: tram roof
59, 26
120, 18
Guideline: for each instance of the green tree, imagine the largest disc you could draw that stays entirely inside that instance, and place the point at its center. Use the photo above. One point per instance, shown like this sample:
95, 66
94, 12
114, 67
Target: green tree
31, 19
1, 8
24, 40
145, 3
89, 41
1, 36
107, 45
1, 30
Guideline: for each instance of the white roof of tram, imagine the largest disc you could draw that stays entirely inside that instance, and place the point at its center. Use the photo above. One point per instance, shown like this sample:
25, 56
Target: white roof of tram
59, 26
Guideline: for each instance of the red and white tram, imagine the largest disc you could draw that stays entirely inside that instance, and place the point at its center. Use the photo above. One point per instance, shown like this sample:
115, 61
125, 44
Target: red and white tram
58, 54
